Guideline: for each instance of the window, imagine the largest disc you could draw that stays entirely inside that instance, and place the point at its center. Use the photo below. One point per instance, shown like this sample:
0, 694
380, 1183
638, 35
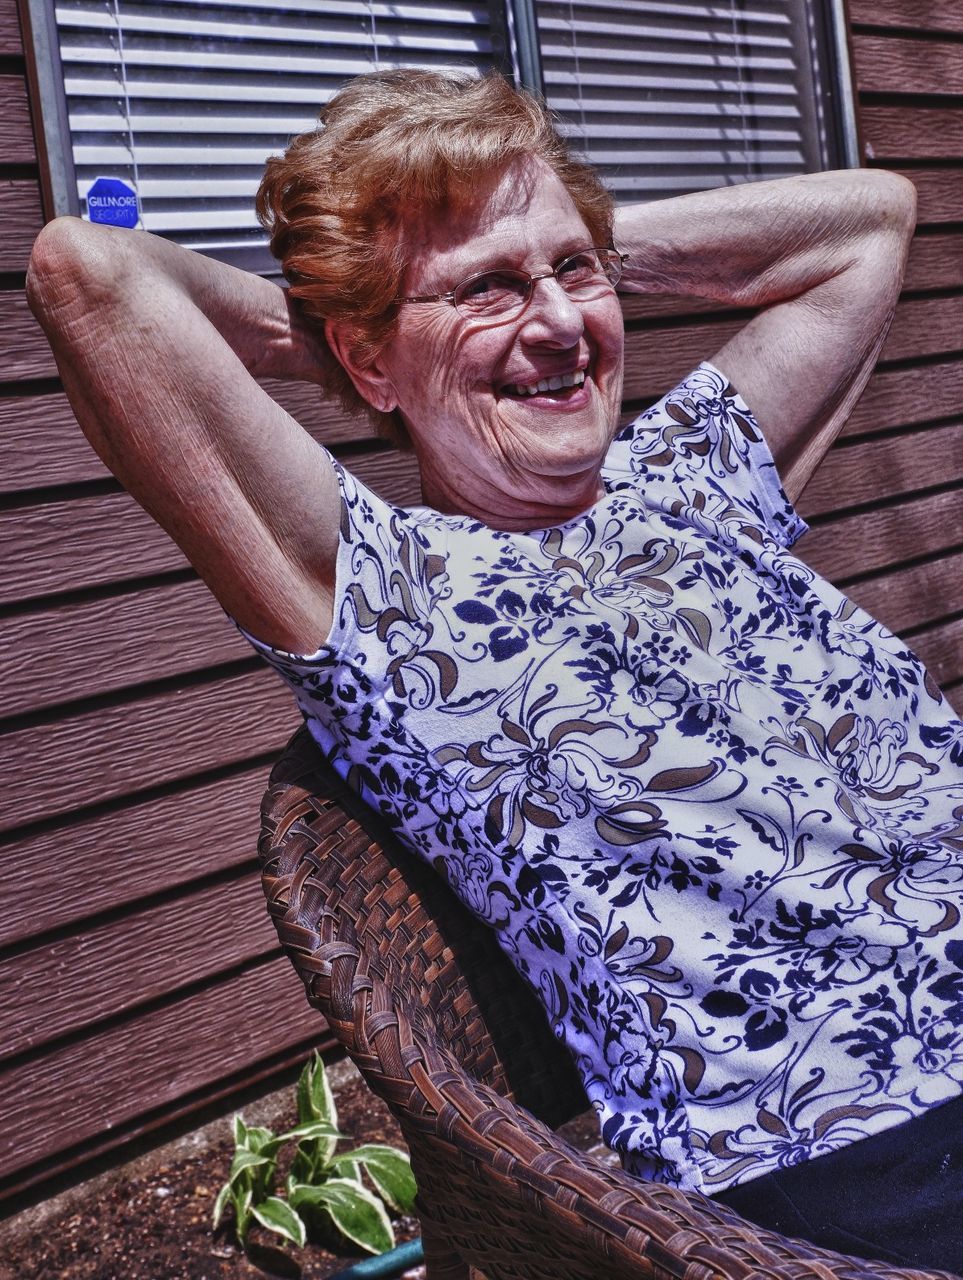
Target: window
183, 100
669, 96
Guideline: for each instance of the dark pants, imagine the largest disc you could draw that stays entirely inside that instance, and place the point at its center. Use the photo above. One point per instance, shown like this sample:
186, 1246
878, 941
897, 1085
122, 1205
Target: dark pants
896, 1197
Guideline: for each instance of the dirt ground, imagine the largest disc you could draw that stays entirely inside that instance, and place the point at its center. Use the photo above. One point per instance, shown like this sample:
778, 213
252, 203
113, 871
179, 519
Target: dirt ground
156, 1224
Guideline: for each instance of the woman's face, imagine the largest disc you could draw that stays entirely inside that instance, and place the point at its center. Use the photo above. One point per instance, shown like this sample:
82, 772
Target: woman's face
513, 459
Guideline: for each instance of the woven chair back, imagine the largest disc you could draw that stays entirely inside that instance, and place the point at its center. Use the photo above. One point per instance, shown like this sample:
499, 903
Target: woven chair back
343, 892
447, 1034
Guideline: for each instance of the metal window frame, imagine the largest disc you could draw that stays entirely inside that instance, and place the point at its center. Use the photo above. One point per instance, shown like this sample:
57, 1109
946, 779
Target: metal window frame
45, 78
843, 84
524, 49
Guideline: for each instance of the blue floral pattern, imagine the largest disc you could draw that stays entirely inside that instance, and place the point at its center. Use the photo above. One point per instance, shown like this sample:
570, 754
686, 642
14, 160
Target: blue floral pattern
713, 810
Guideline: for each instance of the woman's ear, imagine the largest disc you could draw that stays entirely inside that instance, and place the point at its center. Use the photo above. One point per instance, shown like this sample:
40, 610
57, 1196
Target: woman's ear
370, 381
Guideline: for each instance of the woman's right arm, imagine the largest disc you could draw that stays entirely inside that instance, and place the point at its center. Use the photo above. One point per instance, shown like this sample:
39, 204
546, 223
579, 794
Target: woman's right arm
158, 349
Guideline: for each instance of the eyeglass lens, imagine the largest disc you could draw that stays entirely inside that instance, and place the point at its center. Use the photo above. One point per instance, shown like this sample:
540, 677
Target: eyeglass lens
583, 276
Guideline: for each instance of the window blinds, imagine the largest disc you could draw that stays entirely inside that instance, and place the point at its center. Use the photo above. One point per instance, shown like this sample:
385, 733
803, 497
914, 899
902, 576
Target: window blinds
675, 96
185, 100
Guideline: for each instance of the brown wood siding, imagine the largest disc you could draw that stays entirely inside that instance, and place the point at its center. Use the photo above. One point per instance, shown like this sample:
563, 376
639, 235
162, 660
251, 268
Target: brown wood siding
85, 1094
924, 16
43, 446
116, 749
142, 847
886, 504
21, 218
16, 135
111, 968
139, 976
139, 979
50, 547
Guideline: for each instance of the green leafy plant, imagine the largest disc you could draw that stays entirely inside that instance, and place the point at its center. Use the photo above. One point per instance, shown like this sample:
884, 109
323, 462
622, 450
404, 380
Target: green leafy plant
322, 1189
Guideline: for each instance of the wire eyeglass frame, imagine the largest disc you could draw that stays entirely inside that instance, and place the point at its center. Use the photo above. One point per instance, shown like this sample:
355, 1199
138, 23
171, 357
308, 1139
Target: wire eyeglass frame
606, 274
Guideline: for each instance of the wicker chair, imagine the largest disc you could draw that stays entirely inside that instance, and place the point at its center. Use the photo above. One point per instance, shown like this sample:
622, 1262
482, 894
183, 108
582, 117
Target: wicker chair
445, 1032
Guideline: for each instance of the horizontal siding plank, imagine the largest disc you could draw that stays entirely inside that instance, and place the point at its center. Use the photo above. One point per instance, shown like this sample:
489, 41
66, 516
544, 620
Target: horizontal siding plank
108, 971
57, 655
939, 193
43, 445
902, 397
16, 133
11, 43
146, 848
20, 221
925, 327
913, 133
921, 327
936, 261
322, 416
92, 541
955, 698
81, 542
874, 539
642, 306
891, 468
916, 15
941, 651
392, 473
26, 352
78, 1092
915, 596
656, 358
111, 752
890, 64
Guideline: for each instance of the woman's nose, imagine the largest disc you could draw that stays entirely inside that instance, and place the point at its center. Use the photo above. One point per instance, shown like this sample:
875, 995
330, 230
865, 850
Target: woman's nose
552, 315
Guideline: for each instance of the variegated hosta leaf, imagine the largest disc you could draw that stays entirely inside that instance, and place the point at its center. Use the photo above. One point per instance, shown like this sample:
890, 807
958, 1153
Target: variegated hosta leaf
314, 1129
258, 1138
277, 1215
243, 1160
315, 1099
390, 1171
220, 1203
347, 1166
316, 1104
242, 1214
356, 1211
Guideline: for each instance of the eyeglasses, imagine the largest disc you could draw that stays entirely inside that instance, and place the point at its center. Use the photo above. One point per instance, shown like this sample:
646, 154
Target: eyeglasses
503, 294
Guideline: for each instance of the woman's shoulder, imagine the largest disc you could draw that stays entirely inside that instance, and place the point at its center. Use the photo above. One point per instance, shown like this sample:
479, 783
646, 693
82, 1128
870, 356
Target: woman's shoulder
700, 448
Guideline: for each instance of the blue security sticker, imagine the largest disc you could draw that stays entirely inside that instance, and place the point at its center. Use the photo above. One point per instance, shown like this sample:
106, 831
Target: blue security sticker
113, 201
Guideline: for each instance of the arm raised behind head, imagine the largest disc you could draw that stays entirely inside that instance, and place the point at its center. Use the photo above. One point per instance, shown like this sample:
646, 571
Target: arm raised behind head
823, 255
158, 348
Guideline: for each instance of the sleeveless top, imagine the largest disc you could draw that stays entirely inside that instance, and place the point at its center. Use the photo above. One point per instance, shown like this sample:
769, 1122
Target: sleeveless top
712, 809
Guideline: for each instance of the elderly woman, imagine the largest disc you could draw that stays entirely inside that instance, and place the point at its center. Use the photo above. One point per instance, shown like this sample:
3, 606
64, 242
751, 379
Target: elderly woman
712, 809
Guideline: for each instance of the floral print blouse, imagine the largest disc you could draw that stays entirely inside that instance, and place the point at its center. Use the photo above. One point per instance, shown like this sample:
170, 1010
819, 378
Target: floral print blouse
712, 809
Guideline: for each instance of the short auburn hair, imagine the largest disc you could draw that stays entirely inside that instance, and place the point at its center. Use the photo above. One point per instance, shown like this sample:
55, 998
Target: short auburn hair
391, 147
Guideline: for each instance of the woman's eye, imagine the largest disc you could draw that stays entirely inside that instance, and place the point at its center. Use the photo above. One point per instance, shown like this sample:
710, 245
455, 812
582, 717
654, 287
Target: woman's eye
492, 292
581, 267
481, 286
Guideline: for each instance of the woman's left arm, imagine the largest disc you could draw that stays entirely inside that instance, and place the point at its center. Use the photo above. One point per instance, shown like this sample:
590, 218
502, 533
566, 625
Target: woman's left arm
823, 255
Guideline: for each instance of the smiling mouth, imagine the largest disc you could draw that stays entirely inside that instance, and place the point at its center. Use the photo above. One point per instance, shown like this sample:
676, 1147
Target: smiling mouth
559, 386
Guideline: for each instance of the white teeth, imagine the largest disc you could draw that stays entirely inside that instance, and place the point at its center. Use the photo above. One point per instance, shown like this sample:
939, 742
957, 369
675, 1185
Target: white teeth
551, 384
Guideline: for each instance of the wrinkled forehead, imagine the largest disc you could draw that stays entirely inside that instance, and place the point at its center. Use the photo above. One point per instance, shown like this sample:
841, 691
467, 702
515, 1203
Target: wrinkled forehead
523, 211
